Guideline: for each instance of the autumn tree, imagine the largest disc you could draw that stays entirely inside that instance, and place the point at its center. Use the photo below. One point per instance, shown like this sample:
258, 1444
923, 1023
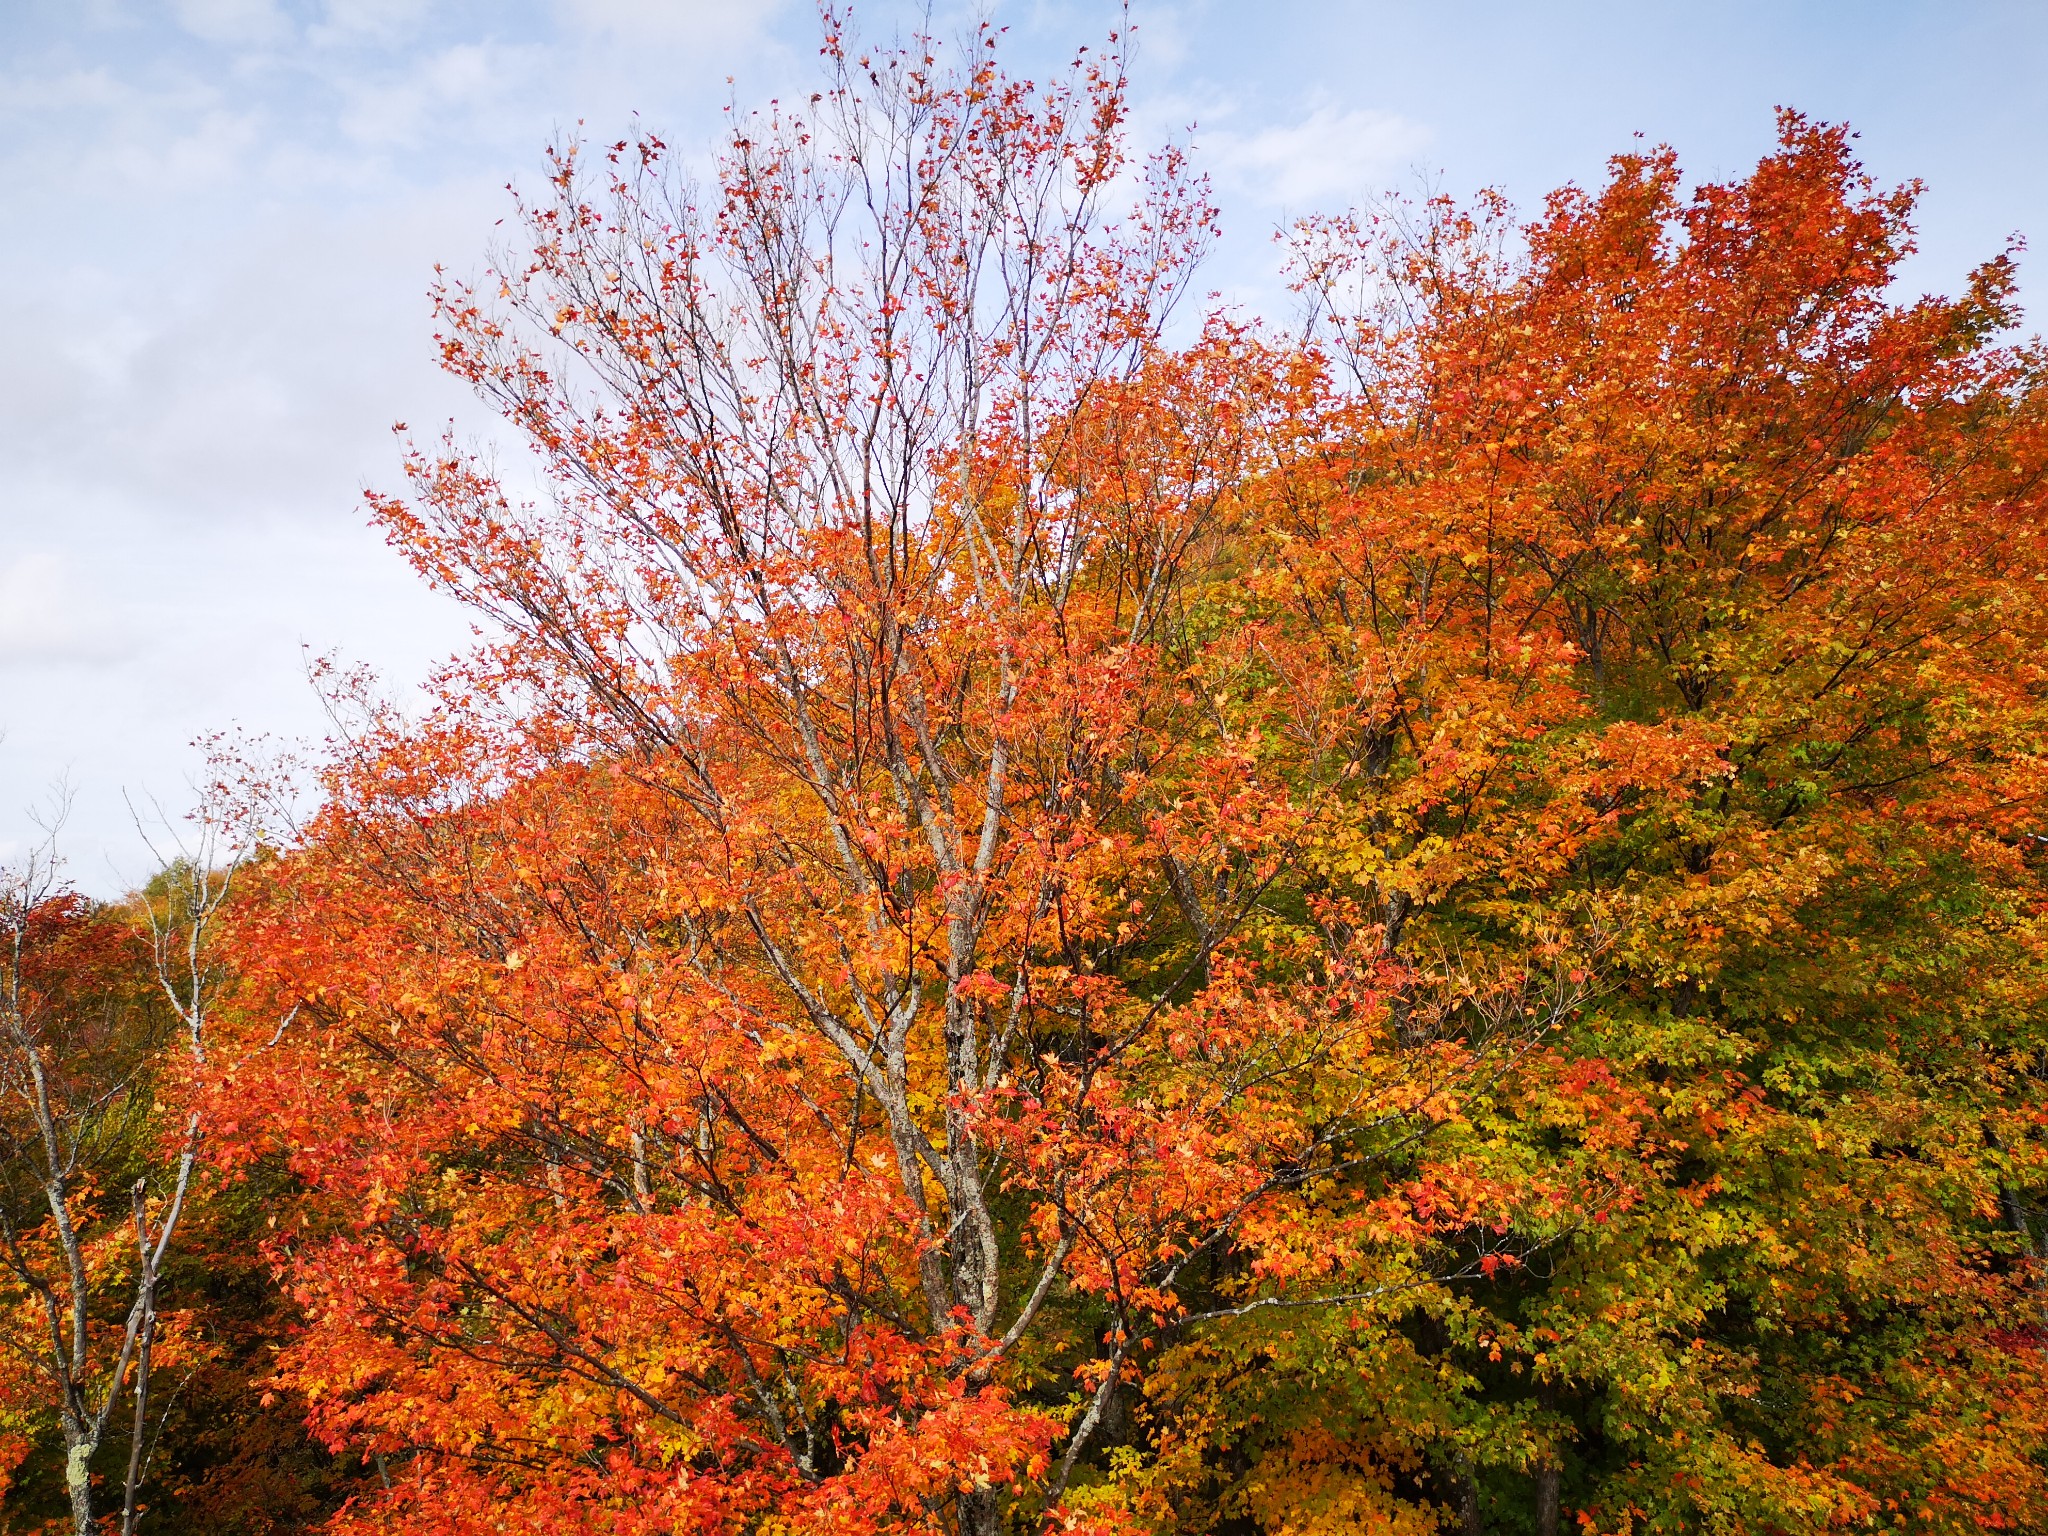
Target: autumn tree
103, 1014
1024, 919
1767, 524
850, 972
73, 1042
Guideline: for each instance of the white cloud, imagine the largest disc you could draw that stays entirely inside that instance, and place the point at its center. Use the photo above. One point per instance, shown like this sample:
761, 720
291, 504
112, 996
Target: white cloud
671, 21
350, 21
1330, 156
45, 621
92, 140
463, 90
237, 23
230, 220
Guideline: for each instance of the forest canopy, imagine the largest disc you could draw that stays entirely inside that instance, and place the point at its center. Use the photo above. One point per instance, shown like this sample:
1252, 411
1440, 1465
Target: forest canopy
1046, 907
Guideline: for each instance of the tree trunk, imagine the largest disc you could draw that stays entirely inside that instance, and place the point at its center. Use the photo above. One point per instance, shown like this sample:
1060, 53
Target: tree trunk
1470, 1522
1547, 1479
78, 1483
980, 1513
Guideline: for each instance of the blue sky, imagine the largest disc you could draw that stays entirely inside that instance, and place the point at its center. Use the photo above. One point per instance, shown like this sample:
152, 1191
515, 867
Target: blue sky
222, 216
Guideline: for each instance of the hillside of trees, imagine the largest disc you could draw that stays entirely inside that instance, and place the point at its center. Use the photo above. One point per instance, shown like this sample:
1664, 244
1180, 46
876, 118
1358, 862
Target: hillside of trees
1045, 909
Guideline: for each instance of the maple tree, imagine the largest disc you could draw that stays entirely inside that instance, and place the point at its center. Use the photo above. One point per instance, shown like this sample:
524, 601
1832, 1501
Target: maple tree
833, 988
136, 1310
88, 995
1788, 533
71, 1039
1025, 919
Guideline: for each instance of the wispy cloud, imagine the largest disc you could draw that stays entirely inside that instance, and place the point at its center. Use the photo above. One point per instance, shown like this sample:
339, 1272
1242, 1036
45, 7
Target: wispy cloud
670, 22
1331, 155
237, 23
